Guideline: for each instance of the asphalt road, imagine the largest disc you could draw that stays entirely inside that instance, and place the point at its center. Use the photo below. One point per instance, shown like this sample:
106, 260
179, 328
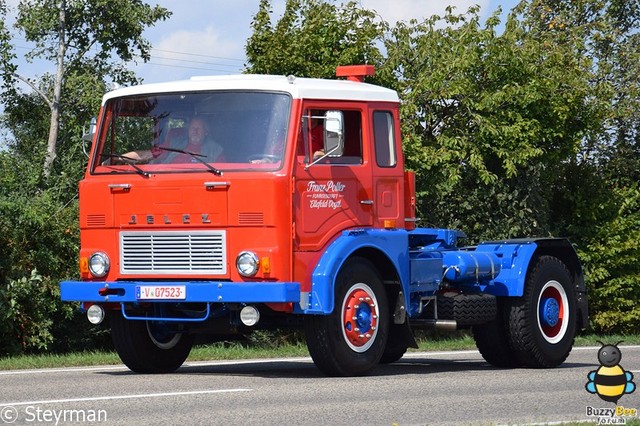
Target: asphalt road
422, 388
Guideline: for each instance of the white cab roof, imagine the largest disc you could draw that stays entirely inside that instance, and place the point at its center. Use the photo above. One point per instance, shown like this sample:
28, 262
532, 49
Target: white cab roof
299, 88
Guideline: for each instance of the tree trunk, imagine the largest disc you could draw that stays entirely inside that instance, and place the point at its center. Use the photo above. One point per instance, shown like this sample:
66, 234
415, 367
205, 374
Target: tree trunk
57, 91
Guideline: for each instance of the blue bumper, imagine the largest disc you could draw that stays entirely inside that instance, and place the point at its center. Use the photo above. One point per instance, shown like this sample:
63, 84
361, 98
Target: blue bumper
196, 291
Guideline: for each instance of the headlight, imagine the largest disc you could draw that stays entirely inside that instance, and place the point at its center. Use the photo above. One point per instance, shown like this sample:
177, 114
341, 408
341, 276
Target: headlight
247, 263
99, 264
95, 314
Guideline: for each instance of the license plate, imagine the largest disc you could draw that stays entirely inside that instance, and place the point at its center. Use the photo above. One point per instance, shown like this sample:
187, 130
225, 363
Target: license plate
162, 292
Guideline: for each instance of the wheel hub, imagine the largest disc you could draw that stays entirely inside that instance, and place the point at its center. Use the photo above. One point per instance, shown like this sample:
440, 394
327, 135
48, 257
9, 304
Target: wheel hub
360, 318
550, 312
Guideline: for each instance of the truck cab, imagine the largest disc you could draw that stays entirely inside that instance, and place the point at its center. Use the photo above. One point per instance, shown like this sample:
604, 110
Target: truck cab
221, 204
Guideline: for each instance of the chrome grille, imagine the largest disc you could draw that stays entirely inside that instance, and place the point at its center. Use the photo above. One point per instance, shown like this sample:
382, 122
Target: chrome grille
173, 252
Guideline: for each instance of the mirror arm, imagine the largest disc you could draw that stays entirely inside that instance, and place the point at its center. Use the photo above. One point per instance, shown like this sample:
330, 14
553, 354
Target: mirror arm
322, 157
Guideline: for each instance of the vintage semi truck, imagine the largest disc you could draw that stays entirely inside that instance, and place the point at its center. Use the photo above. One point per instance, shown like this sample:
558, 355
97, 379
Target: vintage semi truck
289, 205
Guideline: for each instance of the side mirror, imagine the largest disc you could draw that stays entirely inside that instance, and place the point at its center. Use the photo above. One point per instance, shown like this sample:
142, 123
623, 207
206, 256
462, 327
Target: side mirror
88, 136
334, 134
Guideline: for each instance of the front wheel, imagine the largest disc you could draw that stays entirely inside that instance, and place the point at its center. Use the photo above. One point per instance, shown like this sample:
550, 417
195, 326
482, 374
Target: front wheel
394, 354
542, 322
351, 340
147, 346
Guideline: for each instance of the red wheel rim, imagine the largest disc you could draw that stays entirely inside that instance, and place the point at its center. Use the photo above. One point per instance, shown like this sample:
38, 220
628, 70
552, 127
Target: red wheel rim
360, 317
552, 312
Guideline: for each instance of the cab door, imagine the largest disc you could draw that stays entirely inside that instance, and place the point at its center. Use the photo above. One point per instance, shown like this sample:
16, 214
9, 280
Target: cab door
387, 168
333, 194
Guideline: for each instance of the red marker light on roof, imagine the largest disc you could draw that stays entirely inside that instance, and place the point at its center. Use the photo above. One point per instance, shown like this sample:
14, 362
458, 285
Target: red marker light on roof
355, 73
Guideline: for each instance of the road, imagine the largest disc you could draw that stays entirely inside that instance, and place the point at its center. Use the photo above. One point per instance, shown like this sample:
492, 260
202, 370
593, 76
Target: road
422, 388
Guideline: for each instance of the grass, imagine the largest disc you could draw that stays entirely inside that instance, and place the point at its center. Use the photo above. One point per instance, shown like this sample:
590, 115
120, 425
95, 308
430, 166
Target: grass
262, 348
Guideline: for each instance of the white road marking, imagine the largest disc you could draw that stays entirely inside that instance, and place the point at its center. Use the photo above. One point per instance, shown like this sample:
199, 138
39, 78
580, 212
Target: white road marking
114, 397
64, 370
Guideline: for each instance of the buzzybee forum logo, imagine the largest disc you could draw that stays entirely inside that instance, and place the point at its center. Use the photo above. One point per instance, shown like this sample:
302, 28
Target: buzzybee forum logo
610, 382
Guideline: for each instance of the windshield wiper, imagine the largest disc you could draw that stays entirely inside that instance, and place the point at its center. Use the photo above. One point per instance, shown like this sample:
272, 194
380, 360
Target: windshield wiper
128, 160
193, 155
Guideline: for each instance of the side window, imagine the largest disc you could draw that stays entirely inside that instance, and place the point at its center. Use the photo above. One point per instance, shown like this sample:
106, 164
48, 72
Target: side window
352, 138
311, 138
384, 138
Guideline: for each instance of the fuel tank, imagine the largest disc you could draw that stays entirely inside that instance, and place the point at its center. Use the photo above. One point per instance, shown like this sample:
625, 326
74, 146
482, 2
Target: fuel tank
470, 266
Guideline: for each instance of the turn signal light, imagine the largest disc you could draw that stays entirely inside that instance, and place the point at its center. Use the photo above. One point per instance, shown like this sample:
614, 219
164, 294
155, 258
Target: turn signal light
265, 265
84, 267
389, 224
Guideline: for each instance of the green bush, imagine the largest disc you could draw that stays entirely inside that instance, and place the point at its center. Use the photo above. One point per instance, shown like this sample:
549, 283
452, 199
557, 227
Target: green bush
28, 307
612, 267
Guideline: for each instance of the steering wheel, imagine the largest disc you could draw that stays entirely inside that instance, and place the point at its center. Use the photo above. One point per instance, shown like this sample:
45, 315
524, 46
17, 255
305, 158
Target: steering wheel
268, 157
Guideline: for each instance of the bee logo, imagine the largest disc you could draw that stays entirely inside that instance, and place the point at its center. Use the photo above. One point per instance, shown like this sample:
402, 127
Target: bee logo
610, 381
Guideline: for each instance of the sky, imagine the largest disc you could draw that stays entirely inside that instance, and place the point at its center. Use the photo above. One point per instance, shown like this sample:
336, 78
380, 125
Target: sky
207, 37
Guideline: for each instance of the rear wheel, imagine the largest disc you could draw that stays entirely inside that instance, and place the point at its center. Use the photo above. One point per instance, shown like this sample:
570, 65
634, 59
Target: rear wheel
543, 321
351, 340
492, 340
148, 346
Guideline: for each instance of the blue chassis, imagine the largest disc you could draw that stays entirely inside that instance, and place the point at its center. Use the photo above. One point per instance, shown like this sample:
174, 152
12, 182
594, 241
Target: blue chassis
418, 278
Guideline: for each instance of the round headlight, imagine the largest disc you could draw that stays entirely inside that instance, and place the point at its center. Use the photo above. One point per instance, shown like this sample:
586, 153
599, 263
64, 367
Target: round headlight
95, 314
247, 263
99, 264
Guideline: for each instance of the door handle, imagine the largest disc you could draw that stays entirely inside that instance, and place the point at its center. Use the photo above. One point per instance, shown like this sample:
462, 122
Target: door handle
120, 186
367, 202
212, 185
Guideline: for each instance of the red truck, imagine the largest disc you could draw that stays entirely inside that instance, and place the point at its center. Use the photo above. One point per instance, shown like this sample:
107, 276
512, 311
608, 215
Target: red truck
220, 205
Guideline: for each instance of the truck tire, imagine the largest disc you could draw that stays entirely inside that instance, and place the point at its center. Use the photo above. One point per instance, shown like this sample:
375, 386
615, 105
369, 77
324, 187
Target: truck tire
392, 354
351, 340
467, 309
542, 322
492, 340
144, 348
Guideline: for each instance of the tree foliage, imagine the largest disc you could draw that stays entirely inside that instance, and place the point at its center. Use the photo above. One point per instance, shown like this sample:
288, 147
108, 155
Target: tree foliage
311, 38
601, 188
486, 117
39, 234
76, 36
532, 130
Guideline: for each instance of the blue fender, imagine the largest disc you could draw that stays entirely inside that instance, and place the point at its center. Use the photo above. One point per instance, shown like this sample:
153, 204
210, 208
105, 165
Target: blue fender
515, 257
393, 244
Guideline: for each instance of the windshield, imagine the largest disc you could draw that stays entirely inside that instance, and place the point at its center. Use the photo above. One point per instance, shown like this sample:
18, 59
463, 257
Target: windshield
203, 131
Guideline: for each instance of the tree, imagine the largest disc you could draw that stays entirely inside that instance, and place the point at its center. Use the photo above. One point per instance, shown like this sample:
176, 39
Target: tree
74, 34
311, 38
600, 201
487, 119
38, 216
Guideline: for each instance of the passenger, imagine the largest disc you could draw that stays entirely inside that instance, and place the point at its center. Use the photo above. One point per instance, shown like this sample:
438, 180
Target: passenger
196, 141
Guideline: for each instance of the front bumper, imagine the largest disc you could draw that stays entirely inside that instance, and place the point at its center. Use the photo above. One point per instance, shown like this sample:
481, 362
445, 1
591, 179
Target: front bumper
196, 292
